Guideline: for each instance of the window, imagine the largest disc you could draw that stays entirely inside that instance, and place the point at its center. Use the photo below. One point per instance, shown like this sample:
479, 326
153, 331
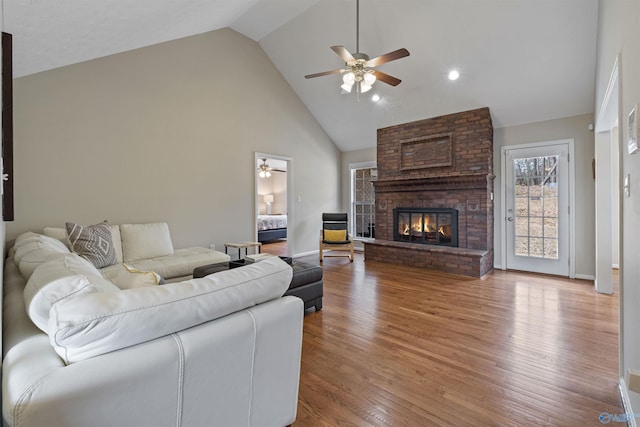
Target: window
363, 200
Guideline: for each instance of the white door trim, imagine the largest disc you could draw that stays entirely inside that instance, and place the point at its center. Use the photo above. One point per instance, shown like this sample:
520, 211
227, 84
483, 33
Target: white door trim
572, 198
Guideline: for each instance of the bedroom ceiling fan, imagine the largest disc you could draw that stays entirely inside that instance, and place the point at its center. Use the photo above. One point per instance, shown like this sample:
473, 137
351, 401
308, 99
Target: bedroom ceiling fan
359, 69
265, 170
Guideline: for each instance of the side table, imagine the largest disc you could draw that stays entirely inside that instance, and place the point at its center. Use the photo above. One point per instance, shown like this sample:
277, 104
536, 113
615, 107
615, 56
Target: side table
242, 245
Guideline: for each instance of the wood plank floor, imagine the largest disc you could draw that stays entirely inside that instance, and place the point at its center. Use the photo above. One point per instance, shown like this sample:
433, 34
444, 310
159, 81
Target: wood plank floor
408, 347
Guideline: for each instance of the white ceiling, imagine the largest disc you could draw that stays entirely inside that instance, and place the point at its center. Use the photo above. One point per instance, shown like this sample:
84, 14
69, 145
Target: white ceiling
527, 60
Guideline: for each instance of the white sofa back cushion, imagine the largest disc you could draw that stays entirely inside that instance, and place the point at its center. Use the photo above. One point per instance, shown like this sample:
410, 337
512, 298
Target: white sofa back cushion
144, 241
58, 279
60, 234
31, 250
97, 323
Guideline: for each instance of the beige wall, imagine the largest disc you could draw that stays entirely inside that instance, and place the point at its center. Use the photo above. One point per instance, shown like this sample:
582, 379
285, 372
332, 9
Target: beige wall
168, 133
619, 33
575, 128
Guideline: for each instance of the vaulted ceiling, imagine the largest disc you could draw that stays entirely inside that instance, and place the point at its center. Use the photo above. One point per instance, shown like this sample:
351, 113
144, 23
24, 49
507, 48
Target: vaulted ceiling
527, 60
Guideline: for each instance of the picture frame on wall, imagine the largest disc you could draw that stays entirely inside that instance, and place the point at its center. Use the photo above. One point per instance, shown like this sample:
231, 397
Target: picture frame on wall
632, 142
6, 162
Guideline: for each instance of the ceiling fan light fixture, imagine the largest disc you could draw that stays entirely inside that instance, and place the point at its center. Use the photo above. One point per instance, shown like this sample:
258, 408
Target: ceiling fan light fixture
359, 68
369, 79
265, 170
349, 78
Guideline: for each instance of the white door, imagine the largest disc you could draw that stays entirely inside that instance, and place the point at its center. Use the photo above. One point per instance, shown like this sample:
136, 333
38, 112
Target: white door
537, 208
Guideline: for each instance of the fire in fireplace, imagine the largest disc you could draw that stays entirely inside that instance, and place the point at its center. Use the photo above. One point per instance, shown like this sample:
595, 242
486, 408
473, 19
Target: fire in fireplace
430, 226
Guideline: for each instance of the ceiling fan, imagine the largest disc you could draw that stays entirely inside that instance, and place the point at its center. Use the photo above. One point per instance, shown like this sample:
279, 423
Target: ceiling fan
359, 68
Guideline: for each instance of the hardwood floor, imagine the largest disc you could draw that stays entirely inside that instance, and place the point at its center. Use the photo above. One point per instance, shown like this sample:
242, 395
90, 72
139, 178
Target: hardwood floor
403, 346
276, 247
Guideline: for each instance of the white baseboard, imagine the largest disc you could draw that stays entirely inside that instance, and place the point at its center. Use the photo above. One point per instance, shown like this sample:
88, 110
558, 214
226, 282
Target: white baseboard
615, 266
306, 254
585, 277
497, 267
626, 403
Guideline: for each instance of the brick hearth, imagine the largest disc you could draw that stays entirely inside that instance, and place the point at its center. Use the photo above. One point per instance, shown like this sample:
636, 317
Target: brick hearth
443, 162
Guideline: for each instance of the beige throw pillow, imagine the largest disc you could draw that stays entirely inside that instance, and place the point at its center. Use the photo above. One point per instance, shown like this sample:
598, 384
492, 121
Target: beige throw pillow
128, 278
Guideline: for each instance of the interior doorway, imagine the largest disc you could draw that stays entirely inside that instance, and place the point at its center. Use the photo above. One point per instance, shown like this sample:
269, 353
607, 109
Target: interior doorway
272, 203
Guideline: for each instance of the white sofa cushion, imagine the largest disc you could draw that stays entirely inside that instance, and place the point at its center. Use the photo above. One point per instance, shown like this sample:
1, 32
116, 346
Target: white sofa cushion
31, 250
97, 323
60, 233
58, 279
179, 264
57, 233
143, 241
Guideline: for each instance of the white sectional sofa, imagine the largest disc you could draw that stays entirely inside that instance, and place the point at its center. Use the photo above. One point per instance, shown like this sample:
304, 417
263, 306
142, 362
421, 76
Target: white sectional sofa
148, 247
223, 350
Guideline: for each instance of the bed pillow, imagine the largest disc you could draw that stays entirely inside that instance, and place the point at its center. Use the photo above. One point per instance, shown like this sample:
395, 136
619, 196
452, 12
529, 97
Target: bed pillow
145, 241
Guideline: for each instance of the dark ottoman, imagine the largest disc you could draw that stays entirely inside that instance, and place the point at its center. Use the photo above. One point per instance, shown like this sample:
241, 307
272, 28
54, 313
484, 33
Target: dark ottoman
306, 283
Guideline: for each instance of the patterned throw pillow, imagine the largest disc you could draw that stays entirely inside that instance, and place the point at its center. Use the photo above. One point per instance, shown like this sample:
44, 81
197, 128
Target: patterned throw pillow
92, 242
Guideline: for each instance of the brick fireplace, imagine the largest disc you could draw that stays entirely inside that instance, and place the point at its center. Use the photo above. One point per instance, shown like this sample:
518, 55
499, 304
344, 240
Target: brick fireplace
439, 163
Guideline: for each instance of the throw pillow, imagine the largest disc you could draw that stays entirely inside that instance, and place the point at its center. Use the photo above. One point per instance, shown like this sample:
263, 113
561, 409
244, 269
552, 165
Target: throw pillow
335, 235
128, 278
92, 242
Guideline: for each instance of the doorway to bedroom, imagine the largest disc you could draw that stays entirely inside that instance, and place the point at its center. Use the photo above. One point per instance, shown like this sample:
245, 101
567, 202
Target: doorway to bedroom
272, 203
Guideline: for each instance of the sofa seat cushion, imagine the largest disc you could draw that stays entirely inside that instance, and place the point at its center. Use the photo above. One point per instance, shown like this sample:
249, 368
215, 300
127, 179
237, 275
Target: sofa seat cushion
180, 263
97, 323
57, 280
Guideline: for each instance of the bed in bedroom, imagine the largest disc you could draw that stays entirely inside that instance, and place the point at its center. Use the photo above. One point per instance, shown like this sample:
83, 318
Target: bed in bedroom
272, 227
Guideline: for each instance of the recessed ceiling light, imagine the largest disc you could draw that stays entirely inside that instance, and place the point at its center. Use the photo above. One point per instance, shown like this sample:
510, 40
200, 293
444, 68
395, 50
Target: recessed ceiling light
376, 97
453, 75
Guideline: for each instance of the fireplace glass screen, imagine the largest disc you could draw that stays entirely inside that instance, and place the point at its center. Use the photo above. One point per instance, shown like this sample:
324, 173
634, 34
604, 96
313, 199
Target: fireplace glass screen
436, 226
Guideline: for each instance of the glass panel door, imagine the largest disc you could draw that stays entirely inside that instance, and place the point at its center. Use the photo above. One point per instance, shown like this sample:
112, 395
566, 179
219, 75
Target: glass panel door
537, 209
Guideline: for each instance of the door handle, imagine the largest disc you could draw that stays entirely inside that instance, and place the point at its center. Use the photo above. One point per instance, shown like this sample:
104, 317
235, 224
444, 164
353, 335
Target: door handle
509, 218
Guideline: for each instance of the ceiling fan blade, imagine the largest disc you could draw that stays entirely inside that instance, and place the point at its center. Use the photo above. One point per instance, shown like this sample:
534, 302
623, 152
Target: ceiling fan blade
386, 78
391, 56
346, 56
324, 73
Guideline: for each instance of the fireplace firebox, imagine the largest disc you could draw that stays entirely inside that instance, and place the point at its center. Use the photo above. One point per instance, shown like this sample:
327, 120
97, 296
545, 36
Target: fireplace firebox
430, 226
